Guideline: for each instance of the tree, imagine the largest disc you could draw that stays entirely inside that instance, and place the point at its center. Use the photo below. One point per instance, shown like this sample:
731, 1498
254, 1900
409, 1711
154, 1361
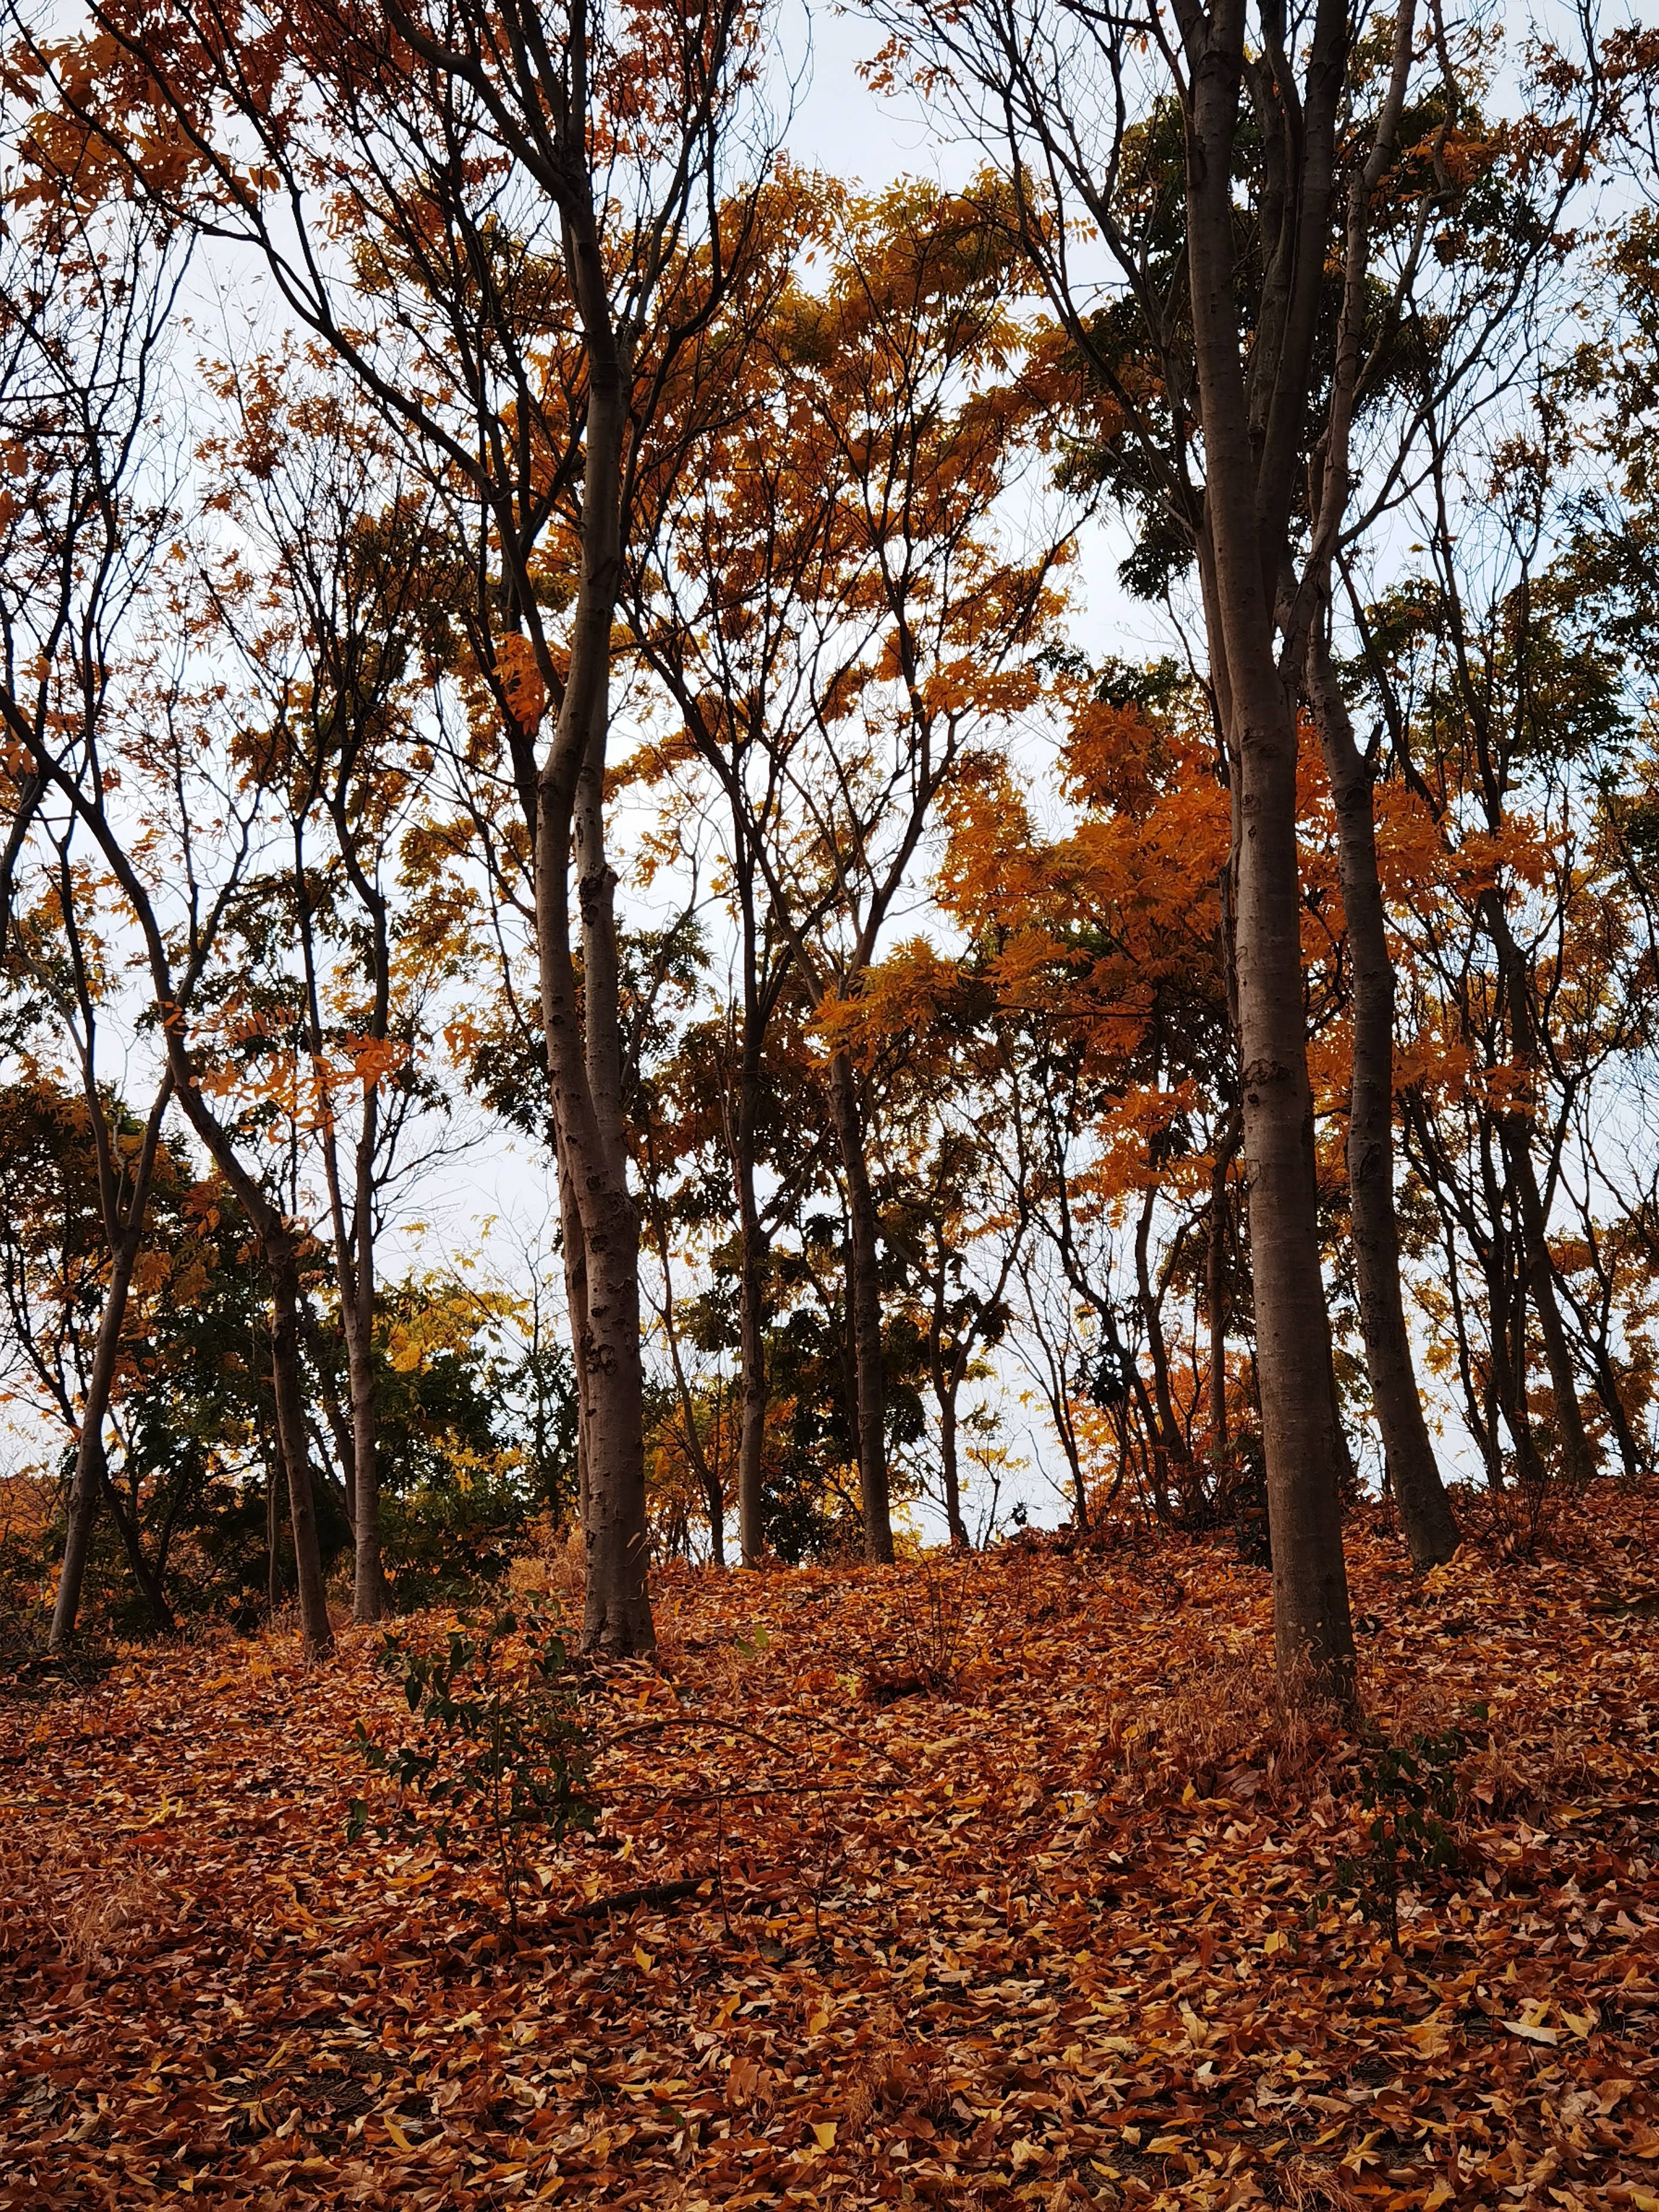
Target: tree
841, 624
1262, 217
326, 593
538, 196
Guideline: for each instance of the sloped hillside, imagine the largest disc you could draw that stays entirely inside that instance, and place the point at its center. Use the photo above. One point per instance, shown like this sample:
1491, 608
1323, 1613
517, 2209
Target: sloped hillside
979, 1884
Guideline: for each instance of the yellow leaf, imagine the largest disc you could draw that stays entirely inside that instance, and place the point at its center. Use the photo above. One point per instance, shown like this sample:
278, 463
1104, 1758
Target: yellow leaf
1165, 2144
1275, 1941
643, 1959
1581, 2023
819, 2021
825, 2132
1531, 2031
1437, 2196
398, 2137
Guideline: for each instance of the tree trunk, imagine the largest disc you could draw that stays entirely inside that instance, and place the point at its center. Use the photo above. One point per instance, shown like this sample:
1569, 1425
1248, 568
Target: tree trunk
369, 1596
864, 1299
946, 1379
143, 1573
318, 1636
354, 1249
125, 1237
1240, 546
583, 1038
1577, 1461
751, 1352
1215, 1286
1169, 1445
1313, 1632
1425, 1513
273, 1531
88, 1485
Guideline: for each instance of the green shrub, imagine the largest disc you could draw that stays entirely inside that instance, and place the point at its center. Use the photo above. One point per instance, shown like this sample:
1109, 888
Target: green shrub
501, 1758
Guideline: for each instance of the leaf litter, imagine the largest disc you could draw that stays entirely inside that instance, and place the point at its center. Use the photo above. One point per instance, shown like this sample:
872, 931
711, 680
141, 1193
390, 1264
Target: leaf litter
1005, 1881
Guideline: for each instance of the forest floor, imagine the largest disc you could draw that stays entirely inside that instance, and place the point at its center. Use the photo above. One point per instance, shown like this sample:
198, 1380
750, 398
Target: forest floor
1073, 1925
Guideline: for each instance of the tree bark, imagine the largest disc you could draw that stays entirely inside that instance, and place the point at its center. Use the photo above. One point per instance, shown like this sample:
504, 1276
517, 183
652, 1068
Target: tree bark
946, 1378
1425, 1513
283, 1267
1577, 1463
863, 1300
1169, 1445
751, 1350
1239, 549
88, 1485
1215, 1282
353, 1241
583, 1043
370, 1600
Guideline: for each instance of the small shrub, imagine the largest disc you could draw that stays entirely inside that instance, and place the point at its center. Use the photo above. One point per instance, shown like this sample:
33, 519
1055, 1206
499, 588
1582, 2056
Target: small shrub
928, 1657
503, 1751
1410, 1793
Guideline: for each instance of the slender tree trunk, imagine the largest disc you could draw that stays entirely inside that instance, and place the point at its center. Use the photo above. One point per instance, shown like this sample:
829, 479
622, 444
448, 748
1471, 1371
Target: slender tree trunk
1612, 1405
706, 1469
946, 1378
87, 1486
714, 1504
574, 1253
583, 1041
125, 1236
864, 1298
273, 1530
1312, 1628
354, 1253
1577, 1463
144, 1574
1515, 1135
1251, 420
1425, 1513
1507, 1298
1215, 1271
369, 1598
947, 1441
318, 1636
751, 1352
1313, 1632
337, 1416
1169, 1445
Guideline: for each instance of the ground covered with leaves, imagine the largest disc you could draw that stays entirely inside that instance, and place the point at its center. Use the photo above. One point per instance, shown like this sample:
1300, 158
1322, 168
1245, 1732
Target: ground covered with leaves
1000, 1882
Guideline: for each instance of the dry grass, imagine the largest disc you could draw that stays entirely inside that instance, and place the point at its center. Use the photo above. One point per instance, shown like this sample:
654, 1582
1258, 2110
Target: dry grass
1226, 1727
1306, 2184
1528, 1762
117, 1908
897, 2075
554, 1564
